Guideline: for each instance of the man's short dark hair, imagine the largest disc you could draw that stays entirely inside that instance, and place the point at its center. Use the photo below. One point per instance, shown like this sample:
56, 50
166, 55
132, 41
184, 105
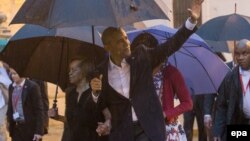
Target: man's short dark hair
109, 33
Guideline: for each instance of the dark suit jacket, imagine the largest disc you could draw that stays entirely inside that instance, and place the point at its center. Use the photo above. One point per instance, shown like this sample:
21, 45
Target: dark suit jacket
44, 93
229, 104
209, 100
32, 108
143, 97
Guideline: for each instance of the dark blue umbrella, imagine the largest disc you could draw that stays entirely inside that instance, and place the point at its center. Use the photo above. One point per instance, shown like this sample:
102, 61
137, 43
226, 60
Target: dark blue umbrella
62, 13
223, 28
82, 33
202, 69
221, 46
44, 54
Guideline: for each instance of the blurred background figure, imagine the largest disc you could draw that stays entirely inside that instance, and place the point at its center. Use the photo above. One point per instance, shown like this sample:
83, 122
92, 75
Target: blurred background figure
4, 95
197, 113
25, 109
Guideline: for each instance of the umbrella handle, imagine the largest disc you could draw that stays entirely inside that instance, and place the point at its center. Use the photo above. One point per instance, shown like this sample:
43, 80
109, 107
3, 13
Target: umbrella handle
54, 104
55, 99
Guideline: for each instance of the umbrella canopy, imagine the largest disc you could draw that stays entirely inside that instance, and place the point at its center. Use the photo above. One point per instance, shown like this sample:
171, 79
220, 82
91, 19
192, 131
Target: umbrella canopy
203, 71
223, 28
221, 46
3, 43
61, 13
82, 33
47, 57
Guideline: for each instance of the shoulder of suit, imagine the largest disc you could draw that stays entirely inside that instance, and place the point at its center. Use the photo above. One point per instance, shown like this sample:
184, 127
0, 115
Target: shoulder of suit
30, 83
27, 81
232, 75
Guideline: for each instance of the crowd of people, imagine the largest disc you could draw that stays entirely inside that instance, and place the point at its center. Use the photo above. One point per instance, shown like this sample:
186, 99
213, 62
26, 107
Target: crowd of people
130, 97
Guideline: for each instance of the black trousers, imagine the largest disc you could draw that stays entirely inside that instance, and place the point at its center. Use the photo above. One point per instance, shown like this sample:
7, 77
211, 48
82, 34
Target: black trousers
197, 113
21, 132
139, 134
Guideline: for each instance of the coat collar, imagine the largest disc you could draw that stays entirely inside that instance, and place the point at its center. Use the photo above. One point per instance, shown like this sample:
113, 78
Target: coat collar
131, 61
25, 91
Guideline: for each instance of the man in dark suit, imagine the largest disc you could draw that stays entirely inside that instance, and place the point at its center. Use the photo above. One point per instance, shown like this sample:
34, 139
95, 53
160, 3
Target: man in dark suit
233, 102
25, 109
209, 104
127, 85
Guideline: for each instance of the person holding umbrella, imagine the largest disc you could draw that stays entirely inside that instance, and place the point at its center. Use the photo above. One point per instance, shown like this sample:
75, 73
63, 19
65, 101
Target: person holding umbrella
233, 102
127, 87
81, 113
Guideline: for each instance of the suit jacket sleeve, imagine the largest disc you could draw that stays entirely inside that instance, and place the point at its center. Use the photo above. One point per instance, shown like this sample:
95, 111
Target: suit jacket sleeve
221, 110
10, 112
209, 103
38, 108
159, 54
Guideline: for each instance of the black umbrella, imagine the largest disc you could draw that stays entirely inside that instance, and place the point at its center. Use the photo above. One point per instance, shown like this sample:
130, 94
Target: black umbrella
223, 28
46, 57
61, 13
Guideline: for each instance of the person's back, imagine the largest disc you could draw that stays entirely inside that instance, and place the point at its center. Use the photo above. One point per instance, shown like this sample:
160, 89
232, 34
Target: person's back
44, 92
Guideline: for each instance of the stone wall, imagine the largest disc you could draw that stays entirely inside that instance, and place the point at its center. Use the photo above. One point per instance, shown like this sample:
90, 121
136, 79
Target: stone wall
9, 8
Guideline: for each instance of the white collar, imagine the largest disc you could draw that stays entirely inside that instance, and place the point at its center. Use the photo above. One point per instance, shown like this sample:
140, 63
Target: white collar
114, 66
244, 72
21, 84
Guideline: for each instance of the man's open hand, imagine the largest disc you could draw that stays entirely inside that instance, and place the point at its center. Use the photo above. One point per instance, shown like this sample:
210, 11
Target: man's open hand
195, 11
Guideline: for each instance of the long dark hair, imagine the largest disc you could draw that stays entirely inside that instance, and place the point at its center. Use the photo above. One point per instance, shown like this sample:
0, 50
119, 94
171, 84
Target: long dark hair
146, 39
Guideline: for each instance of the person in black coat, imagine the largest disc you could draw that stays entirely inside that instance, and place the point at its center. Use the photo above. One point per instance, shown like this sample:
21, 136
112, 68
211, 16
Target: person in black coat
127, 84
25, 110
81, 112
232, 104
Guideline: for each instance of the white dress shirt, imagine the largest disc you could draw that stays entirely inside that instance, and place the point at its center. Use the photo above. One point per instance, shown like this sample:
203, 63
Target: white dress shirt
119, 80
245, 74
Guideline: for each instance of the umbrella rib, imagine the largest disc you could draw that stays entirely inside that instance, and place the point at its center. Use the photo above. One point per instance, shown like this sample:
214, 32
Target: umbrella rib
223, 29
202, 67
167, 34
175, 60
50, 13
60, 64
